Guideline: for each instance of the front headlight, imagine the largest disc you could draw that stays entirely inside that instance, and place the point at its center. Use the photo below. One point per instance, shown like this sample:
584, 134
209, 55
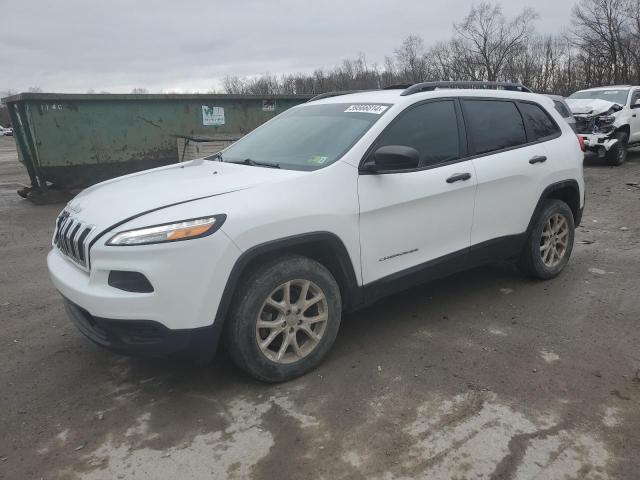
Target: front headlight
169, 232
606, 119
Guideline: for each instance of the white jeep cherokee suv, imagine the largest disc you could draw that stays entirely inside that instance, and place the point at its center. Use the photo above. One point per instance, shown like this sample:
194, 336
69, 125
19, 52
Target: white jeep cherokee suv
326, 208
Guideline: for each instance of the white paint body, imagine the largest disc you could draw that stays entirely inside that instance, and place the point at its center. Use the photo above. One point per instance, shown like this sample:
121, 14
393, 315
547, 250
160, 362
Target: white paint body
375, 216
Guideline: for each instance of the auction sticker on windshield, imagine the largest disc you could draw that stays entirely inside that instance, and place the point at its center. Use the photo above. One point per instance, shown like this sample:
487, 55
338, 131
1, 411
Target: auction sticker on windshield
366, 108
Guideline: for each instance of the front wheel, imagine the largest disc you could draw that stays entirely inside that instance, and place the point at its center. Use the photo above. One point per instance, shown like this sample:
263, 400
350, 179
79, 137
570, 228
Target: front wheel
550, 241
284, 319
618, 153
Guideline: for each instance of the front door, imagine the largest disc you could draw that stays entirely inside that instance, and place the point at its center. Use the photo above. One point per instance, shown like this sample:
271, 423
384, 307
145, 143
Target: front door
634, 120
413, 217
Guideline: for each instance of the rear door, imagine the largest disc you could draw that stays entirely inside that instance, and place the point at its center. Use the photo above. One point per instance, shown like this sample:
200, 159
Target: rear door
412, 217
512, 164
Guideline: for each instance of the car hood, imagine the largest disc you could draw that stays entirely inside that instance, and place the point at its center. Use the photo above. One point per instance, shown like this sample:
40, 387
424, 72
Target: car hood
109, 202
590, 106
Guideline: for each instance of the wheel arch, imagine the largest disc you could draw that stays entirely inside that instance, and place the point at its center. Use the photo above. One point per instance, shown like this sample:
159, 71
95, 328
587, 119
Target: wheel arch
324, 247
568, 191
624, 128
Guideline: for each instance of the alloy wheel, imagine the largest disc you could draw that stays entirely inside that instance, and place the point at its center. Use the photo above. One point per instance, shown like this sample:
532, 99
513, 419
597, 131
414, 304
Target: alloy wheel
292, 321
553, 243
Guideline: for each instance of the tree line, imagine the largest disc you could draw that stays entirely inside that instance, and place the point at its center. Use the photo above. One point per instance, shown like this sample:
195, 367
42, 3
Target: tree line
601, 46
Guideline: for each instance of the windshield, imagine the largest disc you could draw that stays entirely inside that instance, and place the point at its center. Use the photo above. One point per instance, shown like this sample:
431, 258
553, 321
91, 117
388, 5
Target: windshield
308, 137
617, 96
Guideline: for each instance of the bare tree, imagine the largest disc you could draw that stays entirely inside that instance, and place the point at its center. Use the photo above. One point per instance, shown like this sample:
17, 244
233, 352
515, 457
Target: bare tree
139, 90
599, 29
489, 37
601, 48
633, 14
411, 60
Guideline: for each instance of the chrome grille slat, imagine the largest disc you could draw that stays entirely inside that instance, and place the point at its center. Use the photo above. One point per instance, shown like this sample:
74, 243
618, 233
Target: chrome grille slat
65, 238
81, 239
65, 230
73, 240
70, 238
61, 233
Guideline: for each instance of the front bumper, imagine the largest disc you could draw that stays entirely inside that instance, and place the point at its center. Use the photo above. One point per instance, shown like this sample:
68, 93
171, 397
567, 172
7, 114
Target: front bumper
188, 279
139, 337
599, 142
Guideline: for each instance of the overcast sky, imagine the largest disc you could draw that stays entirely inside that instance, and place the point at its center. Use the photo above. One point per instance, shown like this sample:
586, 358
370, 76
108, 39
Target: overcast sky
113, 45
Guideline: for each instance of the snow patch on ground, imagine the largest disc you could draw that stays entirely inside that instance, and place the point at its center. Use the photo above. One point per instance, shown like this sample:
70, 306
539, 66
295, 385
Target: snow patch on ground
549, 357
352, 458
497, 331
597, 271
611, 417
476, 436
224, 454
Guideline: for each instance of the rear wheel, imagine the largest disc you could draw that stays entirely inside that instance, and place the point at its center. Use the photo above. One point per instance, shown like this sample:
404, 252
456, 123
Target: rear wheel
618, 153
285, 318
550, 242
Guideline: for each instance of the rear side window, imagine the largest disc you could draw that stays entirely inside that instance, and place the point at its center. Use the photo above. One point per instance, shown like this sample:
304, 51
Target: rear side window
562, 110
494, 125
430, 128
540, 126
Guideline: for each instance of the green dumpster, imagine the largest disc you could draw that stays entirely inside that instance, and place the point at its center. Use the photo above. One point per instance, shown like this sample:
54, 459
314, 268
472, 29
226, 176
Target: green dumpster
69, 141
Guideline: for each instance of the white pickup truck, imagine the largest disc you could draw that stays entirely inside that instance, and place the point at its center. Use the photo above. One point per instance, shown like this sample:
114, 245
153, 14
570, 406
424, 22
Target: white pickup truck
608, 120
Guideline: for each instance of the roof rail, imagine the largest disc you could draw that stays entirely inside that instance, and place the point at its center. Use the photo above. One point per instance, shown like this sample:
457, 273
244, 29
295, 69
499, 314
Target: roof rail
608, 86
430, 86
333, 94
397, 86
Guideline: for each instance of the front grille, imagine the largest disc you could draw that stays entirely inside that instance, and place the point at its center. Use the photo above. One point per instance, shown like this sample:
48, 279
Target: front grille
71, 239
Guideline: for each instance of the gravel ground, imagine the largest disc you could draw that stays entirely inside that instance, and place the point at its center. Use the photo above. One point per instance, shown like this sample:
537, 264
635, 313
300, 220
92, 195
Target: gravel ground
482, 375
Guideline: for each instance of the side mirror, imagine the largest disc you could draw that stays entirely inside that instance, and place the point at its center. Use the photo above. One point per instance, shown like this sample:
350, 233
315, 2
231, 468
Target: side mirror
393, 157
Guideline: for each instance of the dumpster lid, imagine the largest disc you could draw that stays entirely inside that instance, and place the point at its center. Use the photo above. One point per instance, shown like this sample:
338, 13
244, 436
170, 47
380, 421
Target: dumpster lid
214, 137
146, 96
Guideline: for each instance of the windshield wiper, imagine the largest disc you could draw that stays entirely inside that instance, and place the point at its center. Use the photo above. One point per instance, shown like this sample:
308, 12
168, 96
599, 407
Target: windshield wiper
253, 163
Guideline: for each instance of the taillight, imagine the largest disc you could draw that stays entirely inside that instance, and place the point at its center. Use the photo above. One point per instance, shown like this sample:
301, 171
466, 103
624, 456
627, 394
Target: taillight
581, 142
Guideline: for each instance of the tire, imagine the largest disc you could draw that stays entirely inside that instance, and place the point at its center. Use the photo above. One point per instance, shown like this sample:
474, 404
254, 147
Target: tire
544, 256
618, 153
261, 295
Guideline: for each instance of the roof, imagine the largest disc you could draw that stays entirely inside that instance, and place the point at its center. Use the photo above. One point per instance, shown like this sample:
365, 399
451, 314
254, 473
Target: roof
395, 97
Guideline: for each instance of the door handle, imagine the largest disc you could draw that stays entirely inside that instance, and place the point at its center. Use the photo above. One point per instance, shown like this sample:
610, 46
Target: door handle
457, 177
538, 159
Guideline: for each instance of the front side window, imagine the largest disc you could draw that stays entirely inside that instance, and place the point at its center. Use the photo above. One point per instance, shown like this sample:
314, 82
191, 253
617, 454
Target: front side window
539, 124
308, 137
493, 125
430, 128
611, 95
635, 97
